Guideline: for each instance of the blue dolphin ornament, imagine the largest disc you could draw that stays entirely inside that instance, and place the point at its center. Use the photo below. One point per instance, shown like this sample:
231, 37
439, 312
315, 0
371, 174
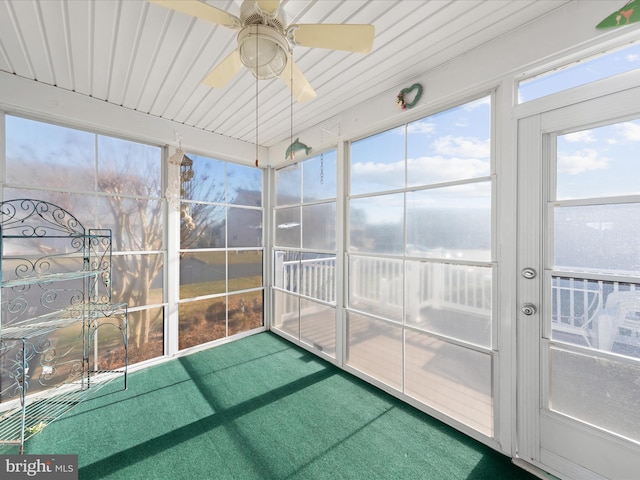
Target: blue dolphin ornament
296, 147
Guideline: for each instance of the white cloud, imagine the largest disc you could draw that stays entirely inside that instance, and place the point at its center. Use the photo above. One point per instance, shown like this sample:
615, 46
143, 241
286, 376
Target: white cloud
632, 57
629, 131
421, 127
581, 161
585, 136
465, 147
424, 170
387, 174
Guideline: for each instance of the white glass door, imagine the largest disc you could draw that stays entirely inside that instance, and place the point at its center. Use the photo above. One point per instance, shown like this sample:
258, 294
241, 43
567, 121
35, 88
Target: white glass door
579, 289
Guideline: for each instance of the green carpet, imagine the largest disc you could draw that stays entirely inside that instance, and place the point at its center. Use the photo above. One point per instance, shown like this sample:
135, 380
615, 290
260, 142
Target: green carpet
261, 408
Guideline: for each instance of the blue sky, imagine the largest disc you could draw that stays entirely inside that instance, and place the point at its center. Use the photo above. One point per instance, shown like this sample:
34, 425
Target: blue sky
599, 162
452, 145
581, 73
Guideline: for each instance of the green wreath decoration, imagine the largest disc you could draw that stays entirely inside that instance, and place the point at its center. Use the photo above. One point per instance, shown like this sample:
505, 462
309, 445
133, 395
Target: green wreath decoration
401, 101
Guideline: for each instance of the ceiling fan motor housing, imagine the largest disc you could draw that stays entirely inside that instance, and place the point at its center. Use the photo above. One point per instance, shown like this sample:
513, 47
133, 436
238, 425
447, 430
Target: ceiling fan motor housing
250, 14
262, 44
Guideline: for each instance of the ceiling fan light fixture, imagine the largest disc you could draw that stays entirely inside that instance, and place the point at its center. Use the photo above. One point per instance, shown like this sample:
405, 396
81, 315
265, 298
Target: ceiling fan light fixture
263, 50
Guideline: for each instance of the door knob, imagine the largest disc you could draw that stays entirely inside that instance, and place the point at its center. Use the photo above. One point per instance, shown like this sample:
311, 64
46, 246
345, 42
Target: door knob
528, 308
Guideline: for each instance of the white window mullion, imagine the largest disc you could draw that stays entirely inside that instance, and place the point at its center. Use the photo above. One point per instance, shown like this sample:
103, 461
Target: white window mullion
172, 263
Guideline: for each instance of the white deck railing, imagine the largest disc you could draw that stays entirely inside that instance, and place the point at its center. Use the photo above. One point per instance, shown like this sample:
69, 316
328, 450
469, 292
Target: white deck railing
456, 287
376, 281
596, 311
576, 304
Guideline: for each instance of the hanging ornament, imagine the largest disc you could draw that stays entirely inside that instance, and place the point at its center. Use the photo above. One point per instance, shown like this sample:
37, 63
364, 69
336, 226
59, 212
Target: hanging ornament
296, 147
173, 189
401, 98
630, 13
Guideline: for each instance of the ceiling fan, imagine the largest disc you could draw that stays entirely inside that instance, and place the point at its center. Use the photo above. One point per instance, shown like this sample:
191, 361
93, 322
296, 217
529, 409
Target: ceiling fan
265, 42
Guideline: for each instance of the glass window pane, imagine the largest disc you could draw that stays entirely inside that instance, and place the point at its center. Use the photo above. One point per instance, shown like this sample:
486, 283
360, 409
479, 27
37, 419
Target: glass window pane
245, 269
375, 348
598, 391
288, 185
37, 154
202, 273
137, 279
452, 145
286, 313
135, 223
376, 224
201, 321
202, 226
452, 222
244, 185
146, 334
244, 227
451, 300
596, 314
319, 177
376, 286
245, 312
580, 73
378, 162
318, 326
319, 226
288, 227
452, 379
600, 162
207, 184
126, 167
318, 277
145, 339
598, 238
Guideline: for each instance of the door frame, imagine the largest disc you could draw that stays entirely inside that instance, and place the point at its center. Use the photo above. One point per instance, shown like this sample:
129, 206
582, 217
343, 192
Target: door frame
536, 146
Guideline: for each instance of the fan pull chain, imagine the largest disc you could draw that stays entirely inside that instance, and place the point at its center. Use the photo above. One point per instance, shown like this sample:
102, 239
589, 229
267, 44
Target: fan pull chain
256, 121
291, 102
322, 156
257, 108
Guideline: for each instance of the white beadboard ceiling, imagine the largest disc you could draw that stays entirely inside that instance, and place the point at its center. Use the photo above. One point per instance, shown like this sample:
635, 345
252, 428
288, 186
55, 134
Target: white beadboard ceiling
144, 57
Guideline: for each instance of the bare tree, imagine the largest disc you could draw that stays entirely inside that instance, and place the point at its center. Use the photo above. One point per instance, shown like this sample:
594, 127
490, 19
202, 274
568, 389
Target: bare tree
134, 212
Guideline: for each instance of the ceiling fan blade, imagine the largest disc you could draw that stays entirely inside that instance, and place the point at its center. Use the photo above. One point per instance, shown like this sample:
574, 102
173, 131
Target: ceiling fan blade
224, 71
202, 10
352, 38
296, 81
269, 7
